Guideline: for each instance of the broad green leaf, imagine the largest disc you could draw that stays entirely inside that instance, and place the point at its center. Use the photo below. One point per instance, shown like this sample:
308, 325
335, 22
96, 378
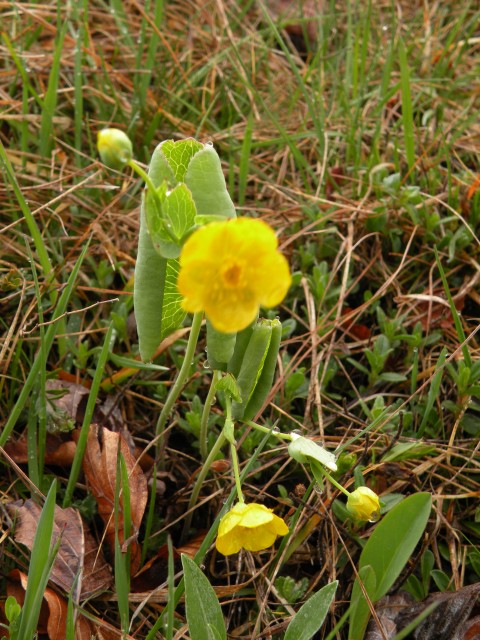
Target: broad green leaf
179, 154
359, 606
202, 606
385, 554
172, 313
169, 222
206, 181
310, 617
148, 292
159, 169
391, 544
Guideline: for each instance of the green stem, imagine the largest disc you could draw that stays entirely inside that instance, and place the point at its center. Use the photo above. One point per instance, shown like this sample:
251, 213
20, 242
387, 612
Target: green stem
151, 187
178, 385
277, 434
236, 473
199, 482
206, 414
333, 481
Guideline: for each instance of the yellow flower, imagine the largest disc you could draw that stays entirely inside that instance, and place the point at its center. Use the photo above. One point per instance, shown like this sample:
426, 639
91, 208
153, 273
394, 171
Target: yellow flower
114, 147
363, 504
228, 269
251, 526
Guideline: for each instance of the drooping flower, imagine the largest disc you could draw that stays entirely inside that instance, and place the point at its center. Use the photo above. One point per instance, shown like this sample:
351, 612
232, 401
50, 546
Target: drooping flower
229, 269
249, 526
114, 147
363, 504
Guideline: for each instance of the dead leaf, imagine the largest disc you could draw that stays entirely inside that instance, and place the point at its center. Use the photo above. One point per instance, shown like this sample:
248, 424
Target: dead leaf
78, 554
57, 451
100, 467
53, 614
300, 17
449, 621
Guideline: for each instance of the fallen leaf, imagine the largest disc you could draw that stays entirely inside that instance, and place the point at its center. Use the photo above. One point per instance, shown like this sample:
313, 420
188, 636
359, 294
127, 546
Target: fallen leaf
78, 554
449, 621
100, 468
57, 451
300, 17
53, 614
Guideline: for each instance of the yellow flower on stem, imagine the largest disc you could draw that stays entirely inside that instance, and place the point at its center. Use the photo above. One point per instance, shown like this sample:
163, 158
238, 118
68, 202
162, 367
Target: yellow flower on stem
251, 526
229, 269
363, 504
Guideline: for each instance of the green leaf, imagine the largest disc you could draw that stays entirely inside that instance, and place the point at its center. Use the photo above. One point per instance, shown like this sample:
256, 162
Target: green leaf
304, 450
394, 539
168, 226
386, 553
172, 312
310, 617
408, 451
359, 605
206, 181
179, 155
229, 384
202, 606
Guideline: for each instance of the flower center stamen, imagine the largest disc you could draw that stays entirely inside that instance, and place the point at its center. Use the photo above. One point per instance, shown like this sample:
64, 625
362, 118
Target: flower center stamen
232, 275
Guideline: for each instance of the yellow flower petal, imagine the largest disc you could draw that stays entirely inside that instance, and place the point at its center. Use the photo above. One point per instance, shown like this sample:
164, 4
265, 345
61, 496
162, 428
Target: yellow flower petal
251, 526
228, 269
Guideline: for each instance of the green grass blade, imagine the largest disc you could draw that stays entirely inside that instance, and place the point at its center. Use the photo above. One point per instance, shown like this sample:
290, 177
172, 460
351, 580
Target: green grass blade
454, 312
51, 97
33, 229
40, 565
407, 107
87, 419
60, 309
433, 392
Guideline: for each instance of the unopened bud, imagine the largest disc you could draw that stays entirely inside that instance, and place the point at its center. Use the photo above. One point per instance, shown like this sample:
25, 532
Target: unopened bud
363, 504
114, 147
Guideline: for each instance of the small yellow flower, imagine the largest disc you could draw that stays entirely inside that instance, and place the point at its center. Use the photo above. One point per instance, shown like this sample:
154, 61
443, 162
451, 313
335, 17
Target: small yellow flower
363, 504
229, 269
114, 147
251, 526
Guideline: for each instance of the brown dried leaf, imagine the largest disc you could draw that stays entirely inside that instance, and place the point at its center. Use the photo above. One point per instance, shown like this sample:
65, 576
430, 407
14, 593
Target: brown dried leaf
100, 467
53, 615
57, 452
295, 12
449, 621
77, 553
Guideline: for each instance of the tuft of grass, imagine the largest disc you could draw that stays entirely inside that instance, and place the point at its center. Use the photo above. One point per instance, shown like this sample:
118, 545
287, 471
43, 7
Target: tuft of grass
362, 152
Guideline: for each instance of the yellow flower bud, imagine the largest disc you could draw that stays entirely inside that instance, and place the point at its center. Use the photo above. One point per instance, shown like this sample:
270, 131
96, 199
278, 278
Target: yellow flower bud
363, 504
114, 147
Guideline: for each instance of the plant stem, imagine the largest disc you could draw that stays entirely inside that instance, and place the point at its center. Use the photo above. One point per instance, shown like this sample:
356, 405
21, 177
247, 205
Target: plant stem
206, 413
199, 482
236, 472
178, 385
277, 434
333, 481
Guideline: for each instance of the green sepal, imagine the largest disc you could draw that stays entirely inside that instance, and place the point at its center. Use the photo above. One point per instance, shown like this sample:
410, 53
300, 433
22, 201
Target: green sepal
220, 347
252, 365
265, 381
